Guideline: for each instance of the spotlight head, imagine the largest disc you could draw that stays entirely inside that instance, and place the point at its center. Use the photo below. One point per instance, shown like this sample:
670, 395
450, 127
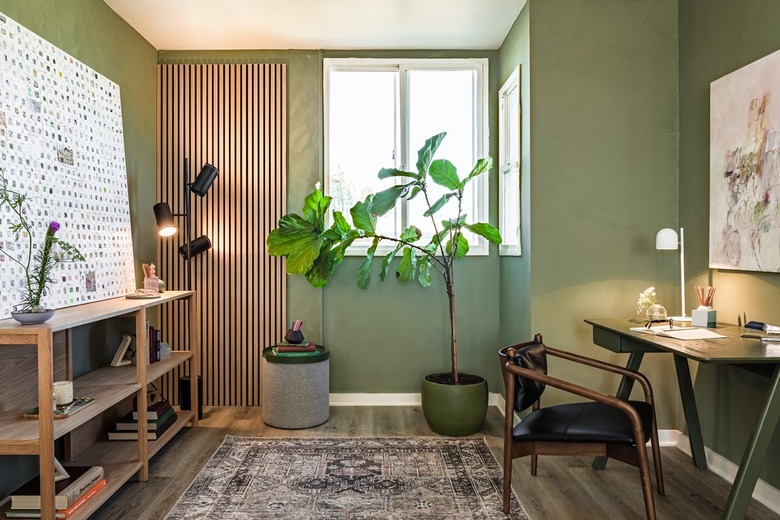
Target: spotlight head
204, 180
197, 246
164, 217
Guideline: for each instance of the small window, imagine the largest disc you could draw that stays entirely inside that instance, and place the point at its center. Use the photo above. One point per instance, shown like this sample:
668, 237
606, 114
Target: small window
509, 165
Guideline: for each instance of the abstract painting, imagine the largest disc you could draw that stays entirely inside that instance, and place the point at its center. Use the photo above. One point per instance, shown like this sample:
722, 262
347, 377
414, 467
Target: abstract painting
745, 168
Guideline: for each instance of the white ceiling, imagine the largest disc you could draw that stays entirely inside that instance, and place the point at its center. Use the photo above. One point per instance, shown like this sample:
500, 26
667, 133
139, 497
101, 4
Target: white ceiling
320, 24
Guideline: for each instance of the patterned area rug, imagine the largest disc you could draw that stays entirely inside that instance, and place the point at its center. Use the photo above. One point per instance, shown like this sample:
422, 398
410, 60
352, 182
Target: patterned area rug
348, 478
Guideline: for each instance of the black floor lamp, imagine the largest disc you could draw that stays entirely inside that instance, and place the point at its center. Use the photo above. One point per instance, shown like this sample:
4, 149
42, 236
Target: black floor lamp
165, 223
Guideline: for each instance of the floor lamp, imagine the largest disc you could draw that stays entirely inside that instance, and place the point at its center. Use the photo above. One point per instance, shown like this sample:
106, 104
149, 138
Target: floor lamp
165, 223
666, 239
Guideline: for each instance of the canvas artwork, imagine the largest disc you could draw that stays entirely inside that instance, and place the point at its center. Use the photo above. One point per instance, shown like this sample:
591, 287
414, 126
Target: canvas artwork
745, 168
61, 144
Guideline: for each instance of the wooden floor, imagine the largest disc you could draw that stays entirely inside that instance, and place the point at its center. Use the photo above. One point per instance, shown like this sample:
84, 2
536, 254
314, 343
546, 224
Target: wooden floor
565, 487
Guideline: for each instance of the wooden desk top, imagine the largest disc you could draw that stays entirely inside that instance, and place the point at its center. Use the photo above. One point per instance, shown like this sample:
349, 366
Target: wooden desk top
729, 350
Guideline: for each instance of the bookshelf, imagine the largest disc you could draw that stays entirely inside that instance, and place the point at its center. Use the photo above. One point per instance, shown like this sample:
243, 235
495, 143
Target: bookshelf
48, 350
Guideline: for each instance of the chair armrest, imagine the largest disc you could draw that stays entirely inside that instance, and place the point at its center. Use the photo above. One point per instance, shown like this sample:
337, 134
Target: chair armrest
572, 388
609, 367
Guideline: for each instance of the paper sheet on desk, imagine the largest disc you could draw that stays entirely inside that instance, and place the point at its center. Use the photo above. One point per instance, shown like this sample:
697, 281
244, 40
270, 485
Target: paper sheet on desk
679, 333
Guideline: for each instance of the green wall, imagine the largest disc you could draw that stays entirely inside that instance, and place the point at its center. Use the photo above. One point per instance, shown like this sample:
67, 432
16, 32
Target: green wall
718, 37
95, 35
602, 119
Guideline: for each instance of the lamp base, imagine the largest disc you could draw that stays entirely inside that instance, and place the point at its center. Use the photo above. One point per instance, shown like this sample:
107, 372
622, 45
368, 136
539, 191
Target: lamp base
680, 321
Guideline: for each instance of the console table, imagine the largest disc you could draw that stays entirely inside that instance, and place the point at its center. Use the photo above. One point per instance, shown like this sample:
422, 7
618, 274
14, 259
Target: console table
748, 354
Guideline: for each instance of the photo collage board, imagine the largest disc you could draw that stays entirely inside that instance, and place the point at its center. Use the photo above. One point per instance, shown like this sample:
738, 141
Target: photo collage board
62, 146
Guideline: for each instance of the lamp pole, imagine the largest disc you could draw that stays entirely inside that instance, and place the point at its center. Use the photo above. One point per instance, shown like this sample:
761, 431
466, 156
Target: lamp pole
682, 273
187, 185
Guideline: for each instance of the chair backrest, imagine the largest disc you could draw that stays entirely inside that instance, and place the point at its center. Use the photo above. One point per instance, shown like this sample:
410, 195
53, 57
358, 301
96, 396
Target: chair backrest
533, 356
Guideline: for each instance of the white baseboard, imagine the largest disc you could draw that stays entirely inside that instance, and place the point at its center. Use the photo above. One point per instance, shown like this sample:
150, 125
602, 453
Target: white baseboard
727, 470
355, 399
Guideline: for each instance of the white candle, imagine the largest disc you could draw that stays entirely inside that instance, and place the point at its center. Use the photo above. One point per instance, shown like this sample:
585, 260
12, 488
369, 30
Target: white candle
63, 392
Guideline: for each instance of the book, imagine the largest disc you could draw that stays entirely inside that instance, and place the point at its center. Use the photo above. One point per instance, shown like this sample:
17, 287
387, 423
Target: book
152, 435
302, 344
63, 411
121, 358
59, 513
155, 410
279, 353
67, 491
127, 423
309, 347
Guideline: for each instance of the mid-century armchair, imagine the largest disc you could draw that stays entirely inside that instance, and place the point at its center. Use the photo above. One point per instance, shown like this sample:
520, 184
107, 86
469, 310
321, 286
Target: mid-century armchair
601, 426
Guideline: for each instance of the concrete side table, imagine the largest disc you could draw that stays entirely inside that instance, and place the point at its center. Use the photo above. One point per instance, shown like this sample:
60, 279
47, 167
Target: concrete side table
295, 389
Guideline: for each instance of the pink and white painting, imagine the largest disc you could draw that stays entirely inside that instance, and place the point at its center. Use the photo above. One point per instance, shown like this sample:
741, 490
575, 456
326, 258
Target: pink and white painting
745, 168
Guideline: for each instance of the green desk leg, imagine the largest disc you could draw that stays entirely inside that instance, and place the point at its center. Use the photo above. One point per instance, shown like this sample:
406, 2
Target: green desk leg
755, 453
690, 411
623, 392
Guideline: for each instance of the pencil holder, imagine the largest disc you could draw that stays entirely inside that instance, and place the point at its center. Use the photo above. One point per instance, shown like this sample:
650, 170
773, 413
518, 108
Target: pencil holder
293, 336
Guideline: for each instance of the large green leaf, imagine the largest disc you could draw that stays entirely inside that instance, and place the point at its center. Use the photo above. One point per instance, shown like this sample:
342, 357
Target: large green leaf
315, 206
386, 262
436, 206
444, 173
426, 153
364, 271
362, 216
424, 271
292, 230
386, 199
411, 234
485, 230
385, 173
323, 265
481, 167
407, 267
462, 247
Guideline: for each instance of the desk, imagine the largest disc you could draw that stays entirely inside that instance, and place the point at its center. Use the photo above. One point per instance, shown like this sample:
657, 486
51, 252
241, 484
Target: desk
749, 354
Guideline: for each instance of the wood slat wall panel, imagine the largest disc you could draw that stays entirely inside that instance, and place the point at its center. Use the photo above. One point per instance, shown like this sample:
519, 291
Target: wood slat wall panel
234, 117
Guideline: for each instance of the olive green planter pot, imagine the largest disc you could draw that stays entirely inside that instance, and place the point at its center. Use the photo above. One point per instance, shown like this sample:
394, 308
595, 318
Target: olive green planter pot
455, 410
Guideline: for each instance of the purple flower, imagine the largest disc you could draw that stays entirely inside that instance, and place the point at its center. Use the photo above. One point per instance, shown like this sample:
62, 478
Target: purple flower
53, 227
765, 199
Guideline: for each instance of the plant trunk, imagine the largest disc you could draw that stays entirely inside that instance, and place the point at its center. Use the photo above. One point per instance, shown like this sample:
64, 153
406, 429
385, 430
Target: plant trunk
453, 334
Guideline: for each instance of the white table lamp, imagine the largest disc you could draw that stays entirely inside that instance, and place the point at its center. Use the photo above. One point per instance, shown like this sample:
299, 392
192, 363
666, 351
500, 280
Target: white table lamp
666, 239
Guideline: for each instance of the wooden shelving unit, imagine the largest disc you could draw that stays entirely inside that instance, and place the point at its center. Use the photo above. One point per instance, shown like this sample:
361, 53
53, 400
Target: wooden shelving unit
107, 385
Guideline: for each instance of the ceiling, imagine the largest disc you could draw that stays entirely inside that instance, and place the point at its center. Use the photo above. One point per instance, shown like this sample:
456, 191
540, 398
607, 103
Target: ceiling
320, 24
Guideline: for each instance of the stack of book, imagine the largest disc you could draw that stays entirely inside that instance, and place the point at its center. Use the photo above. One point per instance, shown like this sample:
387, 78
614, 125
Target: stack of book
70, 494
160, 417
306, 348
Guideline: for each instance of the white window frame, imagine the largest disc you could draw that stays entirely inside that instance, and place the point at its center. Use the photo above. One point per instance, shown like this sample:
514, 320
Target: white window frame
509, 192
406, 159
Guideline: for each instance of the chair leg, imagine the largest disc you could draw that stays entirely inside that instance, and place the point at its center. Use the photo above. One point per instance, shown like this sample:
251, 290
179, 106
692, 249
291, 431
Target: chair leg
659, 474
507, 478
534, 461
644, 472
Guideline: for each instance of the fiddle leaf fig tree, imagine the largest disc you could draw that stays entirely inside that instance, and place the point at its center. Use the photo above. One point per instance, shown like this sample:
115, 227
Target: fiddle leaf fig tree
313, 250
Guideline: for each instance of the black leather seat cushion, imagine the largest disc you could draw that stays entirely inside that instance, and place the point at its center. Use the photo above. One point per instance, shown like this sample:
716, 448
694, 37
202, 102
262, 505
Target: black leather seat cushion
583, 422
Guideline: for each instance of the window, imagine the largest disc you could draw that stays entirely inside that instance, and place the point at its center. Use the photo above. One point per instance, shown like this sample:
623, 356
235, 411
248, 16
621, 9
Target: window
509, 165
379, 112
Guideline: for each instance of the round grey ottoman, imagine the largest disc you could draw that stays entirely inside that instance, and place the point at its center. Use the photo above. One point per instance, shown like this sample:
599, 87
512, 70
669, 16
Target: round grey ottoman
295, 389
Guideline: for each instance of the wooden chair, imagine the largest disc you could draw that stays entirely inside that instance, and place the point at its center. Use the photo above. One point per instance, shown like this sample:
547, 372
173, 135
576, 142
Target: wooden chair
602, 426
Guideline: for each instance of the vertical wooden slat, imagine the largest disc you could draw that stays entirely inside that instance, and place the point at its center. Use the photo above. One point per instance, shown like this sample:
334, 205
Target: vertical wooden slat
233, 116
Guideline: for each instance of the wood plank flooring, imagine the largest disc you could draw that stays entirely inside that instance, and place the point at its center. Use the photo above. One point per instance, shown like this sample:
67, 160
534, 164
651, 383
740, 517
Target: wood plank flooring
565, 487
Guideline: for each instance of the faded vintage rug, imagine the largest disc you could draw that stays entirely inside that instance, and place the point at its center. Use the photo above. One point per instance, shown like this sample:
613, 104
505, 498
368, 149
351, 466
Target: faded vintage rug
395, 478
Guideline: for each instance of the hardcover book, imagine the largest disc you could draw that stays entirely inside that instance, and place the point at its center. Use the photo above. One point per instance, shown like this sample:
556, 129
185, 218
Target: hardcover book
151, 435
59, 513
155, 410
127, 423
67, 491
